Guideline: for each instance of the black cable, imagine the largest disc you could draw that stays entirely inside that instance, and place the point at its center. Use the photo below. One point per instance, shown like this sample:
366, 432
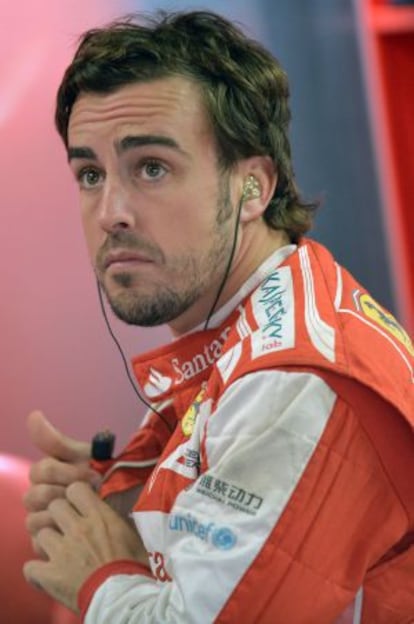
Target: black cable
210, 314
131, 381
228, 267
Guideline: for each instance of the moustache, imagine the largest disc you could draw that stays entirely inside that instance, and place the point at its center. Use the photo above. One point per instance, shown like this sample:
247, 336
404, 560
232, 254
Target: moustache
126, 240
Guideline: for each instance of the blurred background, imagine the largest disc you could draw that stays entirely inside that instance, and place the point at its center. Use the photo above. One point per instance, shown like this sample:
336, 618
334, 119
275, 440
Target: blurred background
351, 68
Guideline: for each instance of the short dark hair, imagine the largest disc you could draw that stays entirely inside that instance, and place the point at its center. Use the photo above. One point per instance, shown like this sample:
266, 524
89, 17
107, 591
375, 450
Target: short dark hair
244, 89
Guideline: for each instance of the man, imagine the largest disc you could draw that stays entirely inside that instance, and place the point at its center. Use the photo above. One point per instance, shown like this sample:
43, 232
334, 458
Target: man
269, 482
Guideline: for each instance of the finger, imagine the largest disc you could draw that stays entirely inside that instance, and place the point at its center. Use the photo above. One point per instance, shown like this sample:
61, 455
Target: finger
38, 551
56, 472
46, 577
63, 514
52, 442
48, 539
39, 497
34, 572
38, 520
84, 499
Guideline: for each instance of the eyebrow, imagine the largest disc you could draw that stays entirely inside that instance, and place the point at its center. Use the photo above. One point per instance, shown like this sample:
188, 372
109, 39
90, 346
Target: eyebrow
131, 141
81, 152
127, 143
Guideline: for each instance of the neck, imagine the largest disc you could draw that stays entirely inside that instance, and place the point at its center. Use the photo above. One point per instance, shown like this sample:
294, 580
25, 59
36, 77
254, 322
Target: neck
256, 242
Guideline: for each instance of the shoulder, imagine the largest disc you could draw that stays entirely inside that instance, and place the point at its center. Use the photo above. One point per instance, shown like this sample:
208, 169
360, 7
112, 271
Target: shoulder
310, 312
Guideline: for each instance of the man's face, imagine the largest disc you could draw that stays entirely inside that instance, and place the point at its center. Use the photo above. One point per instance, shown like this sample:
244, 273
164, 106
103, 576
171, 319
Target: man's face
155, 210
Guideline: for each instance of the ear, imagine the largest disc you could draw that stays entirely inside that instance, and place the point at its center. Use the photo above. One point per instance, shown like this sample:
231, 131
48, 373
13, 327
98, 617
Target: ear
257, 179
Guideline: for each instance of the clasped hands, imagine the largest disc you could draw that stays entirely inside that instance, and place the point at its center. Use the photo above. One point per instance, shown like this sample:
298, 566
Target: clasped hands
72, 529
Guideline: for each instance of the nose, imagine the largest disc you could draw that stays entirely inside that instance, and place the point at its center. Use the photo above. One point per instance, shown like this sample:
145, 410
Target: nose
116, 209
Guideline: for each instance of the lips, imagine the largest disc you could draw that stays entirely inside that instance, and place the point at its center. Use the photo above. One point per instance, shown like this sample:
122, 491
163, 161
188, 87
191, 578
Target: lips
123, 258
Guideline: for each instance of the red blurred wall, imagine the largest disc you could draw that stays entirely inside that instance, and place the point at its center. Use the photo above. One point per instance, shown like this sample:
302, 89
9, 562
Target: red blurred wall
55, 352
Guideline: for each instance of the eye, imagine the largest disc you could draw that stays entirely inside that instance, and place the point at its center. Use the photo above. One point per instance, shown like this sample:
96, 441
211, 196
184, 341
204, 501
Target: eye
89, 177
152, 170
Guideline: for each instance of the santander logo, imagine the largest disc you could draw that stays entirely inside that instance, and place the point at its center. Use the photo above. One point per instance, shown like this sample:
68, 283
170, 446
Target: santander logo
184, 366
199, 362
157, 383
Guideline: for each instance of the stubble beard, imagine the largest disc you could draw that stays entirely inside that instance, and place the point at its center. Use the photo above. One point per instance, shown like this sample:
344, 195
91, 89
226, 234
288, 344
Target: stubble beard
195, 275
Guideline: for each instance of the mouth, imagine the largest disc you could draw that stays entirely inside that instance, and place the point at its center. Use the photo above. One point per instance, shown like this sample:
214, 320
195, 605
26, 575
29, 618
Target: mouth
123, 260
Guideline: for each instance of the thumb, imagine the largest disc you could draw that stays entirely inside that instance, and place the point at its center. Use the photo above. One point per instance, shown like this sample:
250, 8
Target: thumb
54, 443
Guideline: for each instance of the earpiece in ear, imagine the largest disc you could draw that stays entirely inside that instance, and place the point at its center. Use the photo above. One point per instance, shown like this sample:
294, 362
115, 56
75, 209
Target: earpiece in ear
251, 188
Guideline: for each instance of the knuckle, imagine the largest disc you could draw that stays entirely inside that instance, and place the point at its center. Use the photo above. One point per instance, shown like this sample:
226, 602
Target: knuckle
55, 505
30, 523
81, 531
52, 470
75, 488
38, 520
42, 471
32, 499
41, 496
44, 534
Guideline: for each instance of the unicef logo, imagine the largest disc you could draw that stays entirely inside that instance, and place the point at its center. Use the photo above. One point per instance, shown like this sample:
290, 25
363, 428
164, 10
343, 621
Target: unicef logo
224, 538
220, 537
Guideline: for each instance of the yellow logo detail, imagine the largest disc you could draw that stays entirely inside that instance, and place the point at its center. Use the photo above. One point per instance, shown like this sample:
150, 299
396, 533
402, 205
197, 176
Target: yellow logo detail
189, 418
384, 319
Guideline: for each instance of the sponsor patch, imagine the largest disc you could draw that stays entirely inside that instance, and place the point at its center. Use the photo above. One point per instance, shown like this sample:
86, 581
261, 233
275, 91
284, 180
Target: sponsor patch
220, 537
189, 418
157, 563
157, 383
192, 459
372, 310
199, 362
229, 494
273, 309
164, 375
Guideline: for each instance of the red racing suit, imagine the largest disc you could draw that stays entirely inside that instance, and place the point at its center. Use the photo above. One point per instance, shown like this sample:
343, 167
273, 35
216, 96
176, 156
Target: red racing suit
284, 494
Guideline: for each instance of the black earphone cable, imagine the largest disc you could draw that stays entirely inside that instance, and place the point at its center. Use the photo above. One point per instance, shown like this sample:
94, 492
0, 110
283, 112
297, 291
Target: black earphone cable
228, 267
124, 360
210, 314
